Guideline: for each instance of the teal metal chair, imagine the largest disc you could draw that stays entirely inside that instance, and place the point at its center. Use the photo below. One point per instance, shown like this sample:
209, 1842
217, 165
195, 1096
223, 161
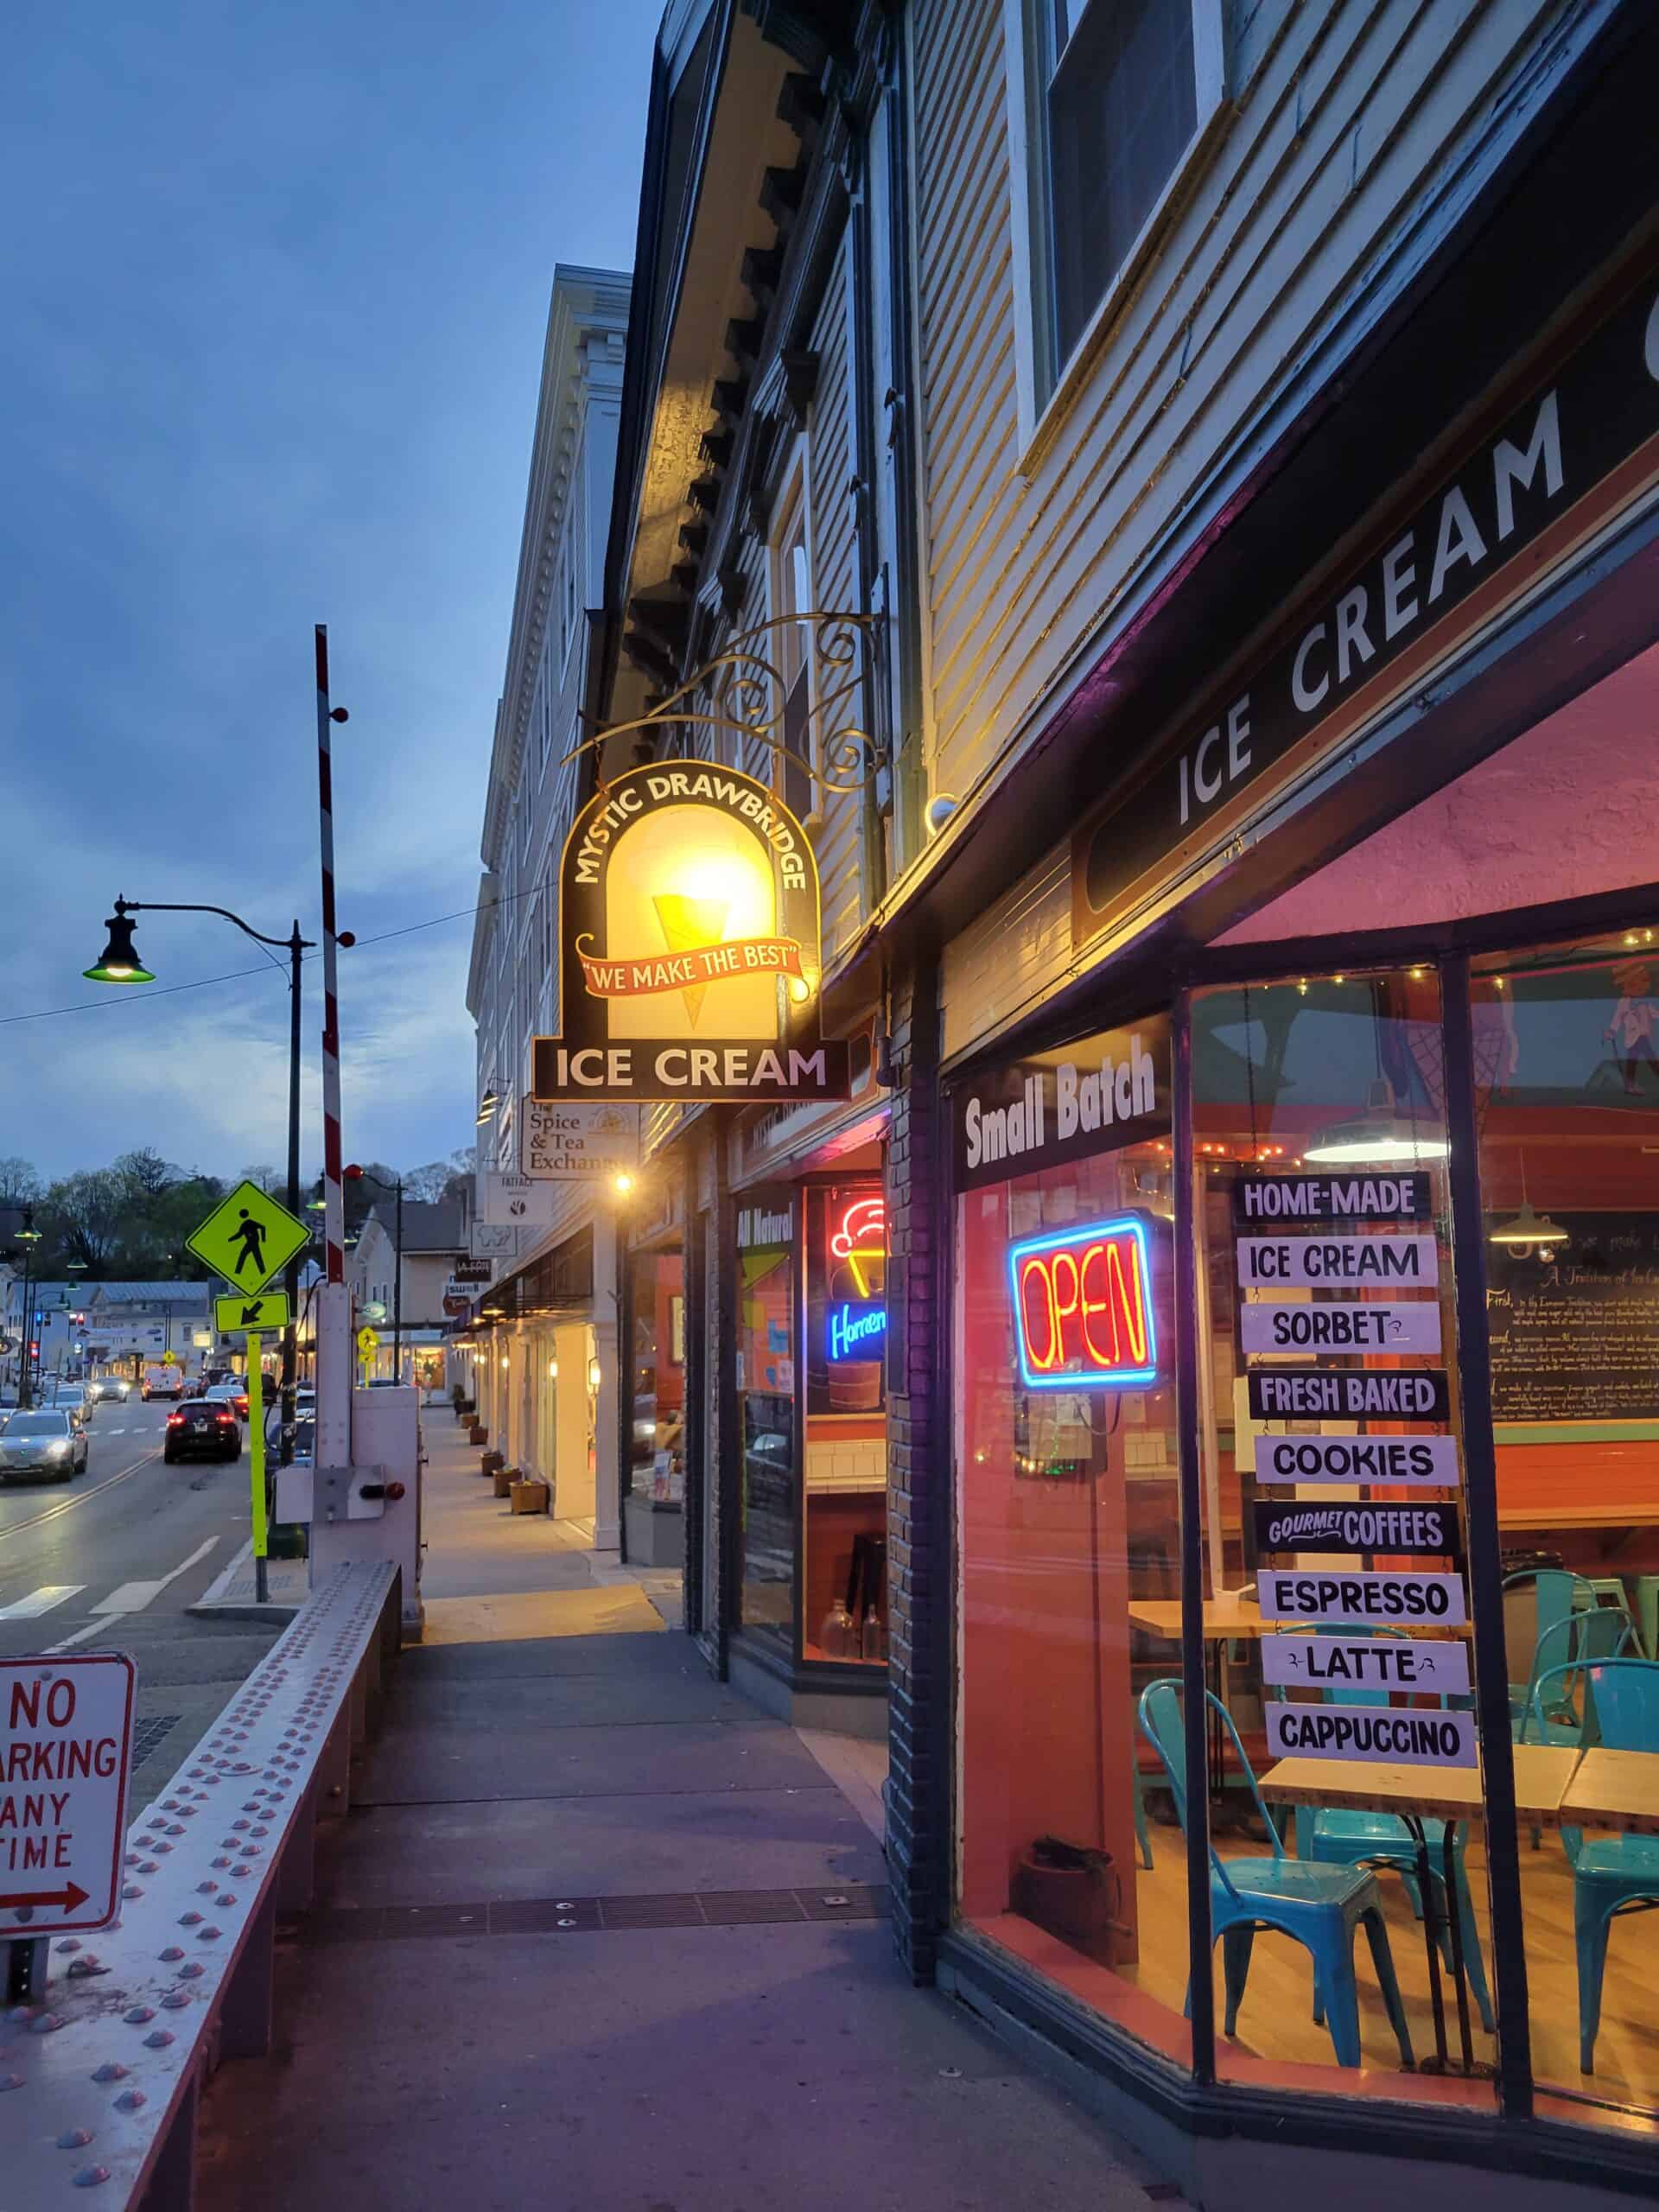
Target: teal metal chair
1332, 1837
1142, 1834
1565, 1651
1318, 1907
1559, 1596
1612, 1874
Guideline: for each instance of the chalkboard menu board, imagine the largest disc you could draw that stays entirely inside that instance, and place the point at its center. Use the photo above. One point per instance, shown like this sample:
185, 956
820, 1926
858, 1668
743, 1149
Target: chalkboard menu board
1576, 1337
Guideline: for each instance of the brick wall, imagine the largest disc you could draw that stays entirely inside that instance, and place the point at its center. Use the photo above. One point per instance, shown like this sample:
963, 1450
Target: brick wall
918, 1471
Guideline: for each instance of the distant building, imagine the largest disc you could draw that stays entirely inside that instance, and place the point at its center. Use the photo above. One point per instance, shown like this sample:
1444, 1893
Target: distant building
551, 1306
434, 1239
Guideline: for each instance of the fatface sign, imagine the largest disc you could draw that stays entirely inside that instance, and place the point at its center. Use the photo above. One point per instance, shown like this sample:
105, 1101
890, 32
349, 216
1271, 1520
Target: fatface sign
691, 960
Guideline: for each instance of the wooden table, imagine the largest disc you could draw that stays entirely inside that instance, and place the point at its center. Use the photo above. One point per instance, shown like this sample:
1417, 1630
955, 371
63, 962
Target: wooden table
1227, 1616
1223, 1617
1543, 1773
1612, 1789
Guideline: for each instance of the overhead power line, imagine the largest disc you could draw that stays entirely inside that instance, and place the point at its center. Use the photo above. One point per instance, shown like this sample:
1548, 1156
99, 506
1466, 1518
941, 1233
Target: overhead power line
237, 974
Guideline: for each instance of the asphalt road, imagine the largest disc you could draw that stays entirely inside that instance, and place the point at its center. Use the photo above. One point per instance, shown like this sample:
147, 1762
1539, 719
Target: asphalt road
113, 1560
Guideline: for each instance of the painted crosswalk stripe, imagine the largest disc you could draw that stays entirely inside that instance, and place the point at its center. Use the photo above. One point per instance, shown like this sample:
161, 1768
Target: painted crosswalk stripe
131, 1598
40, 1601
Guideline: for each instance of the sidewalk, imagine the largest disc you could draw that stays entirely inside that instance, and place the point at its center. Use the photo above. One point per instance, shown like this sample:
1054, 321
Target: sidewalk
599, 1933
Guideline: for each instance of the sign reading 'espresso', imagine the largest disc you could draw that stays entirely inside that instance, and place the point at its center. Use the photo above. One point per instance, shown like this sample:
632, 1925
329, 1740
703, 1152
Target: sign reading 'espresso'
688, 933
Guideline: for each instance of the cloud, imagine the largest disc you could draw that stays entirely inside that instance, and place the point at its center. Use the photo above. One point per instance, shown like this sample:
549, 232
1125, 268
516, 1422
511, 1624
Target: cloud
271, 356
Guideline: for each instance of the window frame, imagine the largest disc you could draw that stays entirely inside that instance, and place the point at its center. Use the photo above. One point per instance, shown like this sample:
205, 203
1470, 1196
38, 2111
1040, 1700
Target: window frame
1046, 385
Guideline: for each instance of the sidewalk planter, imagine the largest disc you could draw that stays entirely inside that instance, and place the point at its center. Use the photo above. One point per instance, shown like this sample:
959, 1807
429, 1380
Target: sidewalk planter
530, 1496
491, 1463
477, 1433
505, 1479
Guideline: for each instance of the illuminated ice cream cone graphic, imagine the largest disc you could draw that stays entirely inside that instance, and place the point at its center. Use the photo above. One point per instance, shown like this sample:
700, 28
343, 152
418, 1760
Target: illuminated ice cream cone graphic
688, 925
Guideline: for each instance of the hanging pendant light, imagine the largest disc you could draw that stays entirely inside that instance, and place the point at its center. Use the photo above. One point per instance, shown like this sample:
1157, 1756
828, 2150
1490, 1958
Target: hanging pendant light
1378, 1137
1528, 1234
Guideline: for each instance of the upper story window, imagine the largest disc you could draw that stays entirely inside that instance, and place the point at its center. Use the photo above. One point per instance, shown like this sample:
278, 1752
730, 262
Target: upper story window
791, 773
1120, 93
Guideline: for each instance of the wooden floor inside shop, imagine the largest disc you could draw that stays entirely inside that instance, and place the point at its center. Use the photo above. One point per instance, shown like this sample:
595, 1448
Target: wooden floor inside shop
1275, 2022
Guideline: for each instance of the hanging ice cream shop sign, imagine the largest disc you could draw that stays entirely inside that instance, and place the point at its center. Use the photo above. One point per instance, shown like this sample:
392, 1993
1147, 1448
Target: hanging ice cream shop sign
688, 933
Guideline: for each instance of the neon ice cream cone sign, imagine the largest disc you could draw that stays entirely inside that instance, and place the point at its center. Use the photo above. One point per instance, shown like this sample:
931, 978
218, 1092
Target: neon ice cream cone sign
690, 935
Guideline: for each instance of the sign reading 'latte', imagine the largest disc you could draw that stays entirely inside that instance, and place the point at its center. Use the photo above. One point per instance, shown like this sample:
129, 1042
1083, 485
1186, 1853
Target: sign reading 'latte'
690, 953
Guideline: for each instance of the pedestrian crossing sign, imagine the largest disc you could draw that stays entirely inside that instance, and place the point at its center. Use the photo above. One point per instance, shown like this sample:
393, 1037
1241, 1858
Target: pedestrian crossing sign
248, 1237
233, 1315
367, 1343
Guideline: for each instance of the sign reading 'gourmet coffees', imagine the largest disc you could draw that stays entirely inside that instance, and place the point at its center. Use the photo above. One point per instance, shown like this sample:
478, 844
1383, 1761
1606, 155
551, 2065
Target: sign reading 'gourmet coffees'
1423, 1531
689, 955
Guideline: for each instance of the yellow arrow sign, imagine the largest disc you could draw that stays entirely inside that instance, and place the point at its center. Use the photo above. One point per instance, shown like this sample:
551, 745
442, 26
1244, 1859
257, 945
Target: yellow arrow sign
248, 1237
271, 1312
367, 1342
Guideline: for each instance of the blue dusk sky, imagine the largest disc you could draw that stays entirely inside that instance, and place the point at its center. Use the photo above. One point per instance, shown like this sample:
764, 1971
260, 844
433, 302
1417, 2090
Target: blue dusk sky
275, 286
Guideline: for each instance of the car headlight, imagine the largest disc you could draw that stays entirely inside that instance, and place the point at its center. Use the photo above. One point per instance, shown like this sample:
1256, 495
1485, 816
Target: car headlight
56, 1451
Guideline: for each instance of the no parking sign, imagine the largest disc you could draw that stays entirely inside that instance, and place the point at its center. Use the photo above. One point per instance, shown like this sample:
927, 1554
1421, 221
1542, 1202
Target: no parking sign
65, 1753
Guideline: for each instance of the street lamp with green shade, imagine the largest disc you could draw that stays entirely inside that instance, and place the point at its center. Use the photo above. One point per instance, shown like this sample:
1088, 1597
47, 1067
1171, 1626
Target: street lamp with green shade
119, 962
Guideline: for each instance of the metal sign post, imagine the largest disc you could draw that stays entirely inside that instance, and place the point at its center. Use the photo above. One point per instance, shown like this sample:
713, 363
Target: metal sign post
257, 1462
67, 1724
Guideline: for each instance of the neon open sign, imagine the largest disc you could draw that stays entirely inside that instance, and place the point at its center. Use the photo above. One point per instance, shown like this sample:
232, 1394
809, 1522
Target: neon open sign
1082, 1307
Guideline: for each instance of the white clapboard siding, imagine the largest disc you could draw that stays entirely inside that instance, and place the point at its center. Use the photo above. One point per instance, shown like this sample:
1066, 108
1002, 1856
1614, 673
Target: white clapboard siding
1005, 962
832, 520
1361, 128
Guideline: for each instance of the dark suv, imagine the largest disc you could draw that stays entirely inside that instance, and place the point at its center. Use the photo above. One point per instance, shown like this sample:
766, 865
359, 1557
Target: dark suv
205, 1428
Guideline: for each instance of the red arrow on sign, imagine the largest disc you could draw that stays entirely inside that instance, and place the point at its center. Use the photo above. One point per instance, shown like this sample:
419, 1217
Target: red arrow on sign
69, 1897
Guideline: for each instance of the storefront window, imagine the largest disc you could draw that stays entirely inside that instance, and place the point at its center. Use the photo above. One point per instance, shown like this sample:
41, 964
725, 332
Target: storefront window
1567, 1099
657, 1468
844, 1541
1069, 1524
1337, 1632
765, 1392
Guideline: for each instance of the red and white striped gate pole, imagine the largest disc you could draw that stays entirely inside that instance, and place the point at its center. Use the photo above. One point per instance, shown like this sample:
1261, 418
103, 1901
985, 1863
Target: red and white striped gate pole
333, 1321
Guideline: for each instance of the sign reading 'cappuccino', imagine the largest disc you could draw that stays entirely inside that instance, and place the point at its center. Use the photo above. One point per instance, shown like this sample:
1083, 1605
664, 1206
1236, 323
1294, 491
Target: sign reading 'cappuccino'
690, 953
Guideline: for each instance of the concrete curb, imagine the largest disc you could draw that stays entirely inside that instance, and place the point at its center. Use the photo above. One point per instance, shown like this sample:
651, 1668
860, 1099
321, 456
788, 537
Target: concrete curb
217, 1602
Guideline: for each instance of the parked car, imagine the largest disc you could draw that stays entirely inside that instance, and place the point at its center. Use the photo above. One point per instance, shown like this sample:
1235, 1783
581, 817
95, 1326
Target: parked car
305, 1410
202, 1428
44, 1443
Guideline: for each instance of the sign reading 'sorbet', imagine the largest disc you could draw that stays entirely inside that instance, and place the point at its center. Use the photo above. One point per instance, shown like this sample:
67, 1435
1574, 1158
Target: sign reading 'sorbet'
690, 953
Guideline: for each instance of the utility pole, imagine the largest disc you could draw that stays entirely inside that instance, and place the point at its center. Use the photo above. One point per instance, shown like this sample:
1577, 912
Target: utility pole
334, 1322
